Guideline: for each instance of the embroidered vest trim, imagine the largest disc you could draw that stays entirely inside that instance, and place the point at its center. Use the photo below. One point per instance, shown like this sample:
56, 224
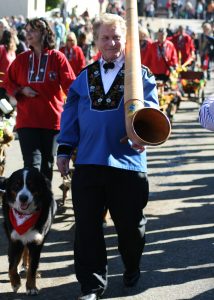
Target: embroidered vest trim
100, 100
38, 76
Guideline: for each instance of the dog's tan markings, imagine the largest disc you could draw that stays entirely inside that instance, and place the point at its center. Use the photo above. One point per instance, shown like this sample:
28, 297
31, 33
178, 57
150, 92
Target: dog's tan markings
25, 259
31, 288
16, 186
31, 184
14, 279
13, 193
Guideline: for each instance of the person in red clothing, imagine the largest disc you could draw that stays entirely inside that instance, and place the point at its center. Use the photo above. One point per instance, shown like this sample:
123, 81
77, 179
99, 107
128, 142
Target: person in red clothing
7, 56
162, 57
37, 78
184, 46
74, 53
145, 43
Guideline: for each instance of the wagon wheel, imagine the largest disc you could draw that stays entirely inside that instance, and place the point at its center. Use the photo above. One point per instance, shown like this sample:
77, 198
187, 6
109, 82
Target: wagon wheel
169, 111
2, 159
201, 96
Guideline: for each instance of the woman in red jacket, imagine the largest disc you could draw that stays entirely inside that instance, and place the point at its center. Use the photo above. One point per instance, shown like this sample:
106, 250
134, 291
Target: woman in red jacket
37, 78
74, 53
162, 58
7, 56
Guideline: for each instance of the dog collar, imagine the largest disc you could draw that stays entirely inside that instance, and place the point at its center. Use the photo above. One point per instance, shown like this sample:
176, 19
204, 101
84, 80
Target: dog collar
23, 222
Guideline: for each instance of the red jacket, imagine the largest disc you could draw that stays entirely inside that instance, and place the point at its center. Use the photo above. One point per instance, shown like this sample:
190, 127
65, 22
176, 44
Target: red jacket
156, 61
184, 46
6, 58
75, 57
144, 51
50, 80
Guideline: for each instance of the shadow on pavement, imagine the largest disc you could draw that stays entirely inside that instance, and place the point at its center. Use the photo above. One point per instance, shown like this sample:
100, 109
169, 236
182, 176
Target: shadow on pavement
179, 248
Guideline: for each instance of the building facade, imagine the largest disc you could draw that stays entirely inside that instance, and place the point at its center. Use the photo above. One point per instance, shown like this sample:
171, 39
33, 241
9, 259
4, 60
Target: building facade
26, 8
36, 8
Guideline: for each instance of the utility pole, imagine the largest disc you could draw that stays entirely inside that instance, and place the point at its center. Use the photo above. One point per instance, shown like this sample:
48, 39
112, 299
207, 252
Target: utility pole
101, 6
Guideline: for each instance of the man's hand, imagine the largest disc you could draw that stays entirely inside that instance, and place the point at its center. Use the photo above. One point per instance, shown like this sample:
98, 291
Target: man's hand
63, 165
138, 148
29, 92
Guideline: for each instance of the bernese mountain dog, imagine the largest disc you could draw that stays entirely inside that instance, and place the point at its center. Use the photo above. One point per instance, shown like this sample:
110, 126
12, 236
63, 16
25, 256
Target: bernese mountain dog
28, 209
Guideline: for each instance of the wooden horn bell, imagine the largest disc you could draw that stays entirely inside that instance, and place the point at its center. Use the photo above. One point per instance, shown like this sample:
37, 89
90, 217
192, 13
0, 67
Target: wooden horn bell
144, 125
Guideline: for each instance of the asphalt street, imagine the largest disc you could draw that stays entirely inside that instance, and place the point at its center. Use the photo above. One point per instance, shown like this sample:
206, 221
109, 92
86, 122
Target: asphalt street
178, 261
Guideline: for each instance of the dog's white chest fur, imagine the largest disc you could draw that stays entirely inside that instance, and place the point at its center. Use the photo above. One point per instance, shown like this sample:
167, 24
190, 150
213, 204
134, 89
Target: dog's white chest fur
29, 236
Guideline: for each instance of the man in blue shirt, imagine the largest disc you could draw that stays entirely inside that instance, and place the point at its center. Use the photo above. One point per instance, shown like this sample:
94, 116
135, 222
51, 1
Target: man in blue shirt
107, 173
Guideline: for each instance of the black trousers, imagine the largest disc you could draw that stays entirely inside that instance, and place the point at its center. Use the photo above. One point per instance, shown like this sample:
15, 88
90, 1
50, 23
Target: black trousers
38, 148
3, 93
161, 77
125, 193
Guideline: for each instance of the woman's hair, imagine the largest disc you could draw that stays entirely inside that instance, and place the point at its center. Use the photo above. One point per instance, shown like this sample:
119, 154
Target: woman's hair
9, 40
72, 35
42, 25
4, 24
82, 37
22, 35
108, 19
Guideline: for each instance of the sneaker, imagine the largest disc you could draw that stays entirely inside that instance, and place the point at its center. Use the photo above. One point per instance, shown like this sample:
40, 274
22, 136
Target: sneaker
91, 296
131, 279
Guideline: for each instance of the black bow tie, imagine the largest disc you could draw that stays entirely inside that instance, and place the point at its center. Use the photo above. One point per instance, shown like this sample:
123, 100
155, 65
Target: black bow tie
107, 66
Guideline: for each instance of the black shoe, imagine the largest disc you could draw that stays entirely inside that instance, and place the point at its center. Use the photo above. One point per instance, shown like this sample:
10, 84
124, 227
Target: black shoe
92, 296
131, 279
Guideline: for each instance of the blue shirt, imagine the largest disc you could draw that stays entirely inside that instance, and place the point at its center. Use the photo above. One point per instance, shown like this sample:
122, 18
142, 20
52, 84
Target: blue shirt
96, 128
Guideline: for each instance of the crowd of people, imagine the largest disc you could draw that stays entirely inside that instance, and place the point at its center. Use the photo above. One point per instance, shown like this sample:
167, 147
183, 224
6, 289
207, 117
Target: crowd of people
185, 9
166, 49
75, 40
68, 80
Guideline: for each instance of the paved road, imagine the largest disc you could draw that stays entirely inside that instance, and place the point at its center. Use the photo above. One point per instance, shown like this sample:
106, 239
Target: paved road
178, 261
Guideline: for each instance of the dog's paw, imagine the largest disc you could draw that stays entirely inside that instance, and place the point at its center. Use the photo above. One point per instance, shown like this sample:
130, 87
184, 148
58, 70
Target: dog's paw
15, 281
32, 291
23, 271
16, 287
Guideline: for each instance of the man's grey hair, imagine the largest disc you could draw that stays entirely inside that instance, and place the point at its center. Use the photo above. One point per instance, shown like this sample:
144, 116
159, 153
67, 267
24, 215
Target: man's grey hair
108, 19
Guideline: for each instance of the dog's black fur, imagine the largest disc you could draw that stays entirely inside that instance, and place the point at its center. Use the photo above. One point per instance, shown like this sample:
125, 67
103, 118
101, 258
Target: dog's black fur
27, 191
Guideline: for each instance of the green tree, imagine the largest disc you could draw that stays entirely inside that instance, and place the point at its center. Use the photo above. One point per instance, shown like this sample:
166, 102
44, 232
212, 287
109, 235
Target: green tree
50, 4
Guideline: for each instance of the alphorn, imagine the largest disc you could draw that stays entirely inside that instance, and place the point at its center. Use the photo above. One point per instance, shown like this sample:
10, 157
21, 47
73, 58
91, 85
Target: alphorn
144, 125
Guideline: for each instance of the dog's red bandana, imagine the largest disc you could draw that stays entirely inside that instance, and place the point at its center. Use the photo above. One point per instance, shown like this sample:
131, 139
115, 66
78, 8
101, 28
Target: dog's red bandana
21, 222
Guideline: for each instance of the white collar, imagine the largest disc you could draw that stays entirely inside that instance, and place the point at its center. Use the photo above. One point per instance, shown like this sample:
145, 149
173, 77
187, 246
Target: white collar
118, 62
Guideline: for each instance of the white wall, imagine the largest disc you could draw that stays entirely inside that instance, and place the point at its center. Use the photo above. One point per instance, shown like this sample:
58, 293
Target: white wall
37, 11
13, 7
22, 7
